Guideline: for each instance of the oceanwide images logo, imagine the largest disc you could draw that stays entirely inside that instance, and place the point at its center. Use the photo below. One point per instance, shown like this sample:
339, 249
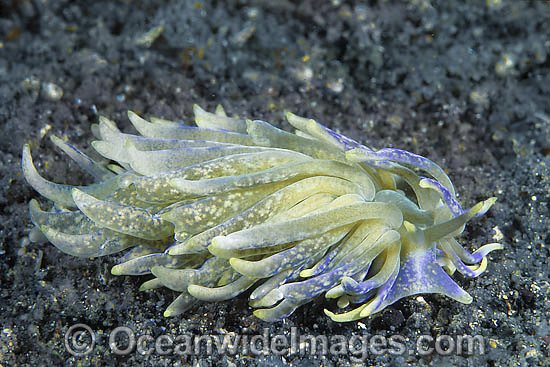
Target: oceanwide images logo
80, 340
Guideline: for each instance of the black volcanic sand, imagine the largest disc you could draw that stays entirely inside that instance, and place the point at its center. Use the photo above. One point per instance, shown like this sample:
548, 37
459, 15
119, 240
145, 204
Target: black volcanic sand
466, 85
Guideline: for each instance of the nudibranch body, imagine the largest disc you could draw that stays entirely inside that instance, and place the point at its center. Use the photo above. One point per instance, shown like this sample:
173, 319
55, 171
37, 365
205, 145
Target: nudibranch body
213, 210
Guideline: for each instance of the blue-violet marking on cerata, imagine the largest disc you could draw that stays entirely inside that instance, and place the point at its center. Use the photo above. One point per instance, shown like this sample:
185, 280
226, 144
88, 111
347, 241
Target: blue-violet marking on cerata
213, 210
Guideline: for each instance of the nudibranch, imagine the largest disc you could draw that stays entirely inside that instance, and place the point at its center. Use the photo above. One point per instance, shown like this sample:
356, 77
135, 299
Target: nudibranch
212, 210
